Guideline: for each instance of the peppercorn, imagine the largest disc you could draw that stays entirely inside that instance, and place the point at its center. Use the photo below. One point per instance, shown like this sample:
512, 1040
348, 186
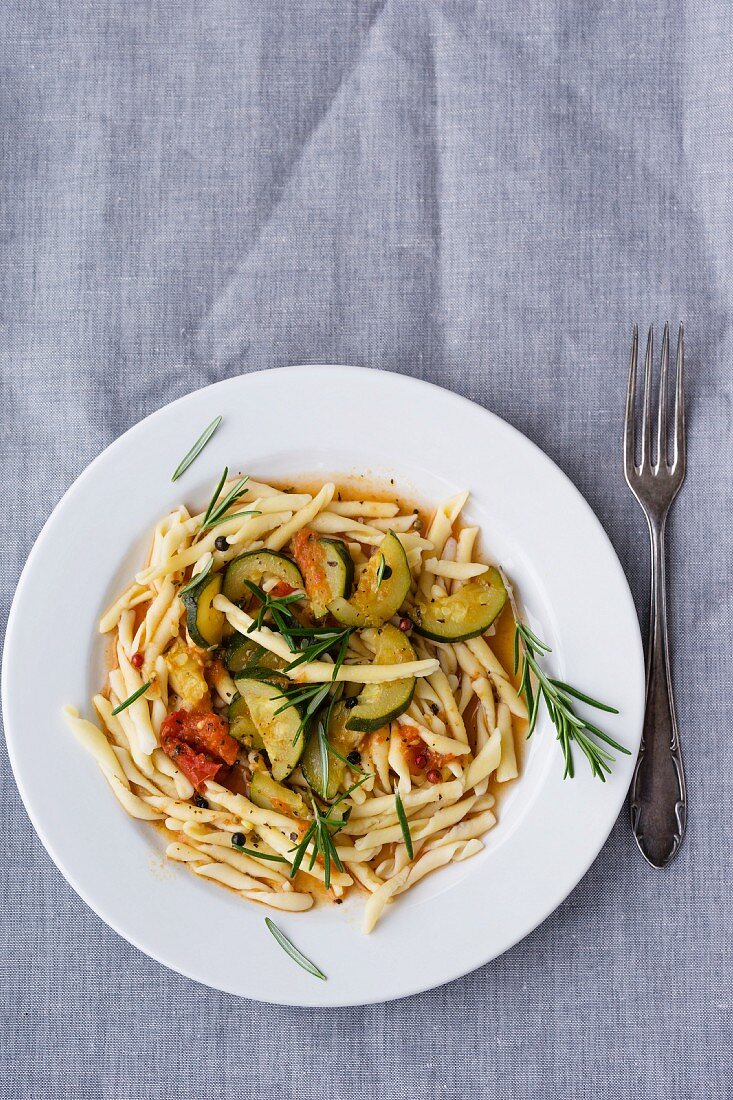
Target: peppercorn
238, 840
405, 624
221, 543
349, 703
137, 660
354, 757
434, 776
421, 760
200, 801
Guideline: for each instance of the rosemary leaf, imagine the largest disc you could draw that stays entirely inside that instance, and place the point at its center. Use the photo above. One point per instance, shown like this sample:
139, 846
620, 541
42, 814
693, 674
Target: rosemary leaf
291, 950
568, 690
232, 515
402, 816
258, 855
197, 578
131, 699
197, 448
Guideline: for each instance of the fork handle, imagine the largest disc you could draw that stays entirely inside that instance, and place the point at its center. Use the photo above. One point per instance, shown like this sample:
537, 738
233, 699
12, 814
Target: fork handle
658, 798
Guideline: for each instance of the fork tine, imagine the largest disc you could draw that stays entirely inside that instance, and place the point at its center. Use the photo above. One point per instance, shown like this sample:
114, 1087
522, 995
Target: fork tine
629, 445
679, 402
662, 418
646, 418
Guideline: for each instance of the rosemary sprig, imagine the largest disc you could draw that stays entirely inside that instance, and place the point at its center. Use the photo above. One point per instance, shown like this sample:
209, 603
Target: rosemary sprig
402, 818
321, 643
321, 832
197, 578
232, 515
259, 855
197, 448
291, 950
216, 511
558, 698
308, 642
131, 699
277, 607
313, 695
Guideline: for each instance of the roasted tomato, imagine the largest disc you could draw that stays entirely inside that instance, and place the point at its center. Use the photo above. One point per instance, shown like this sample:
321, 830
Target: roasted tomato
310, 557
199, 743
282, 588
196, 766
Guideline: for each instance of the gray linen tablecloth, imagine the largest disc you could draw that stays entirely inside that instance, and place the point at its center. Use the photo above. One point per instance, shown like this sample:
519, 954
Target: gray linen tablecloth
483, 195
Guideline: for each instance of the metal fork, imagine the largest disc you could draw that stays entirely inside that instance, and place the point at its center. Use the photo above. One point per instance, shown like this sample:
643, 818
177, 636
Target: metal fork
658, 798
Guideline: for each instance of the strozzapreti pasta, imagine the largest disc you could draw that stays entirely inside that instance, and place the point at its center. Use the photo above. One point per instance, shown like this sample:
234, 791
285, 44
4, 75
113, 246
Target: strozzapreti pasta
304, 693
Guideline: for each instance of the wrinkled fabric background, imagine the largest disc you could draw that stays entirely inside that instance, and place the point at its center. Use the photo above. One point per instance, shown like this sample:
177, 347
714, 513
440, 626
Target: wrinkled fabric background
483, 195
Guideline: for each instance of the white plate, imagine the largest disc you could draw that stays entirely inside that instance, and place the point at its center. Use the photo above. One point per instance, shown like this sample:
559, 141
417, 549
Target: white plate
293, 422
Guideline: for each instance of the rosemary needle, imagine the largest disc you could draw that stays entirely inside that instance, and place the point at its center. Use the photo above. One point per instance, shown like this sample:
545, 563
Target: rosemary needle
402, 816
258, 855
197, 448
291, 950
196, 578
131, 699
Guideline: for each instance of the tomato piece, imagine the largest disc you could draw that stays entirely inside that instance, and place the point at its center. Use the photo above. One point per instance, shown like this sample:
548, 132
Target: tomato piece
282, 588
310, 557
204, 731
196, 766
200, 744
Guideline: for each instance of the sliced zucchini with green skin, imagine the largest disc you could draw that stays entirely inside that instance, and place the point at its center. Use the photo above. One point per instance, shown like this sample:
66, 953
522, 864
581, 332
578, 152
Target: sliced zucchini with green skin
269, 795
241, 725
343, 740
375, 599
382, 703
464, 614
253, 566
243, 652
279, 732
339, 566
204, 622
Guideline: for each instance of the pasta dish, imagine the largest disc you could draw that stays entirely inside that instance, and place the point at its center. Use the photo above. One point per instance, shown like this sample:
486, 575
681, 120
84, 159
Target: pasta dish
304, 696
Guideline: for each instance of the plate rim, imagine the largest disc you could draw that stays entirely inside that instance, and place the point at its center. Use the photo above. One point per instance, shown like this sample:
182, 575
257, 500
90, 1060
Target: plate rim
77, 484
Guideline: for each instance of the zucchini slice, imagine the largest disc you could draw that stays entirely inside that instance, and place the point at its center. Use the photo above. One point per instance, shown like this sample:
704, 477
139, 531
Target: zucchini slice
343, 740
327, 567
279, 732
253, 566
382, 588
381, 703
241, 726
242, 652
204, 622
466, 613
269, 795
